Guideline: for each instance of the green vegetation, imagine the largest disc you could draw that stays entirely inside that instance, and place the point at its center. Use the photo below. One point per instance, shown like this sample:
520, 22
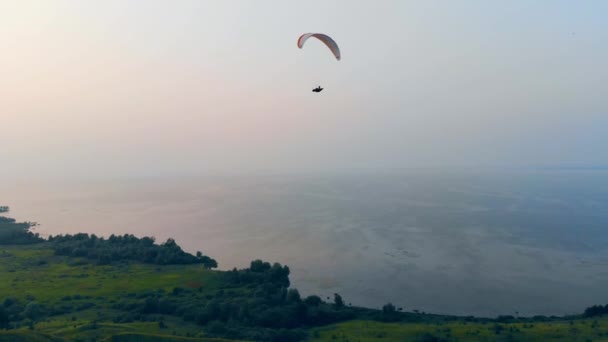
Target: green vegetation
86, 288
560, 330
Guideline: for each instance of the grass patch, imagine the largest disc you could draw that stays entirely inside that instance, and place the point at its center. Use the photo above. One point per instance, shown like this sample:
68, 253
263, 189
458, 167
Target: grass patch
35, 274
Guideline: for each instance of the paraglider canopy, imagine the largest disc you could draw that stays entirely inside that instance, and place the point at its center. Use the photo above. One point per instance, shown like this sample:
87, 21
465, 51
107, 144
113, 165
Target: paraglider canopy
330, 43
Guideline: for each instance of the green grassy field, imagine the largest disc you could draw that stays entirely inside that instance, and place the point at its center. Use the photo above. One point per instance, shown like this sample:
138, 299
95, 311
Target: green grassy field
31, 273
370, 331
36, 272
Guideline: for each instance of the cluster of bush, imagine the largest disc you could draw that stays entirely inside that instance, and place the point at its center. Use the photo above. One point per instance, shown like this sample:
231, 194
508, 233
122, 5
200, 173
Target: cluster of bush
255, 303
14, 313
127, 247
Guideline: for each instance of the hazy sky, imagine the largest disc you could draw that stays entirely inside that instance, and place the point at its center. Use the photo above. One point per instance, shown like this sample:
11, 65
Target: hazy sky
128, 88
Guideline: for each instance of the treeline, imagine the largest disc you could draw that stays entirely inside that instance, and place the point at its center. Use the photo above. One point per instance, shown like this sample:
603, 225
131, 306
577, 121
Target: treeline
3, 209
255, 303
596, 310
100, 250
126, 247
13, 233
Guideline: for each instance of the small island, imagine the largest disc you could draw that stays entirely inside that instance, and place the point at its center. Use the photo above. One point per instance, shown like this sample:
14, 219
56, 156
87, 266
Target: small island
125, 288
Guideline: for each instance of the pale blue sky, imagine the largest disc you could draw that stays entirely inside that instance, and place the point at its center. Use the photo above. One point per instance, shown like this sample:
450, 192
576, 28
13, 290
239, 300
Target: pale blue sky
127, 88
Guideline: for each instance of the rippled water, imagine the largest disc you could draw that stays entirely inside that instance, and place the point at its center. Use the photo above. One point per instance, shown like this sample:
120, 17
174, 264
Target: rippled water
481, 244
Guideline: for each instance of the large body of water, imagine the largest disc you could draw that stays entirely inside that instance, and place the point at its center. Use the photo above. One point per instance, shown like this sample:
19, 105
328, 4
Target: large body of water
479, 244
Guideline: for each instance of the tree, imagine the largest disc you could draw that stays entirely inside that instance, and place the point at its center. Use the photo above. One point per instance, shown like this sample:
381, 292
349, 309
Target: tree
170, 243
150, 305
338, 302
259, 266
293, 296
313, 300
596, 310
32, 311
216, 328
9, 301
388, 309
4, 320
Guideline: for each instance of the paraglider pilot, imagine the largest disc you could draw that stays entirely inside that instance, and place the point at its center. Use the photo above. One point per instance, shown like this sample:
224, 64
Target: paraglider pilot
325, 39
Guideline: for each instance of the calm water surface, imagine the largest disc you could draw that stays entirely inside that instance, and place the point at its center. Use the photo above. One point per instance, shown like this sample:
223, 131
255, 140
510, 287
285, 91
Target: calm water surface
533, 243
